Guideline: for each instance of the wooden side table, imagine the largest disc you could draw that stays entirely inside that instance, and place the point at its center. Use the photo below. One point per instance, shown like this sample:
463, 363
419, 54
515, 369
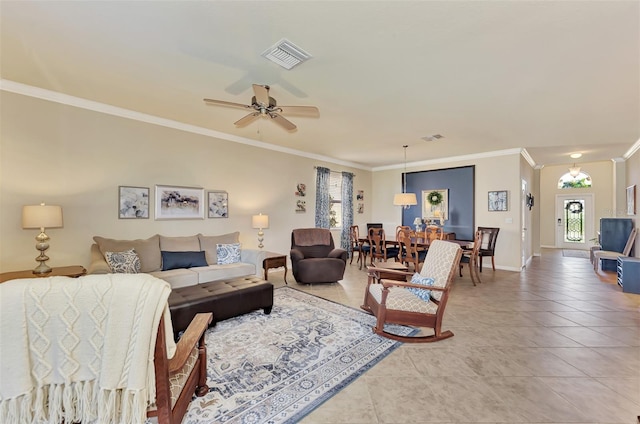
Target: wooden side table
275, 262
73, 271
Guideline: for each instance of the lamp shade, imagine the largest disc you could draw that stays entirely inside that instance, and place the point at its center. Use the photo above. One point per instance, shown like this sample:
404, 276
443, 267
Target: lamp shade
260, 221
405, 199
417, 221
41, 216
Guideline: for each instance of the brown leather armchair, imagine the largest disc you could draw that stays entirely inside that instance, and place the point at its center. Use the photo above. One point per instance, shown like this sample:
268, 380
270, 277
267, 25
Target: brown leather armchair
314, 258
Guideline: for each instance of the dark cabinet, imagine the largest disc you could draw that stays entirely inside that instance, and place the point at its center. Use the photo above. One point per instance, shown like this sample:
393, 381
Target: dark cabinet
614, 233
629, 274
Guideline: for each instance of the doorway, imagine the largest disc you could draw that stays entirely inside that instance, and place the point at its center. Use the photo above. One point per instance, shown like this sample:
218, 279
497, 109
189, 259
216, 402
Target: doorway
574, 221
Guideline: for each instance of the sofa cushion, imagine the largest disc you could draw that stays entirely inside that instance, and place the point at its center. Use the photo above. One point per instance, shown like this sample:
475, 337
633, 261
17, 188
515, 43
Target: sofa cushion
180, 244
126, 262
209, 244
223, 272
148, 250
228, 253
174, 260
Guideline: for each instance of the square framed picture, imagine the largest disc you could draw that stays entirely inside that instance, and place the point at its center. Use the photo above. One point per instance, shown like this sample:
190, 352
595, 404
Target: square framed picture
631, 200
175, 202
435, 204
133, 202
498, 201
218, 204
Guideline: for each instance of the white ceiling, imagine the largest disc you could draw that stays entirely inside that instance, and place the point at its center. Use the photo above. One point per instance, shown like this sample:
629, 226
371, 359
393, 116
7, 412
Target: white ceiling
553, 77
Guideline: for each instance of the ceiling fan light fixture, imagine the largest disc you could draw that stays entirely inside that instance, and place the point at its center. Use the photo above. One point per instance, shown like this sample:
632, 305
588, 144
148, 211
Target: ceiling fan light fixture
286, 54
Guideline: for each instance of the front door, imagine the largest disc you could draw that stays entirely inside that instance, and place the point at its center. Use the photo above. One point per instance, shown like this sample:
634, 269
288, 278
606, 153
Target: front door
574, 221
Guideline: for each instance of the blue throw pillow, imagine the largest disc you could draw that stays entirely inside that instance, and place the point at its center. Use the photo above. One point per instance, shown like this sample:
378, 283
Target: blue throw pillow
175, 260
425, 281
228, 253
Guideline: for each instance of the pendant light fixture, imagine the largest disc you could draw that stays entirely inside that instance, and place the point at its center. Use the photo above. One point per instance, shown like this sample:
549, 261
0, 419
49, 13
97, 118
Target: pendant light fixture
574, 170
405, 199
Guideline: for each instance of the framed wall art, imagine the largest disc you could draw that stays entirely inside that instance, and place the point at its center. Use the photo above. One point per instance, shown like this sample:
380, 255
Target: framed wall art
435, 204
360, 195
301, 206
498, 201
301, 189
175, 202
133, 202
631, 200
218, 202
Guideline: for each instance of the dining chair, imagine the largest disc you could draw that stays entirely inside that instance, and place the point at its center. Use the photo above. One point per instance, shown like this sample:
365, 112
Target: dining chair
488, 245
409, 251
358, 246
470, 257
433, 232
378, 245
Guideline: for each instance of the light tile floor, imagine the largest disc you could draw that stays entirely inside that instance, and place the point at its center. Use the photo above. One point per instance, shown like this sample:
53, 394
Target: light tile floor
555, 343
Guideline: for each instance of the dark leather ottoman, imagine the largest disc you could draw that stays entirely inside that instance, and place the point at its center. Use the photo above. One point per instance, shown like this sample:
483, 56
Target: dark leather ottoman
226, 299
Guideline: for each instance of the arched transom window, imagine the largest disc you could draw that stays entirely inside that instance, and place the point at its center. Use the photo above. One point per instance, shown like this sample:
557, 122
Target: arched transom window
581, 180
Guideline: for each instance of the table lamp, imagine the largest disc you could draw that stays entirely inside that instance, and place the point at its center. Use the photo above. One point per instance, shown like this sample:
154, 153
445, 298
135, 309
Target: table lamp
418, 223
42, 216
260, 222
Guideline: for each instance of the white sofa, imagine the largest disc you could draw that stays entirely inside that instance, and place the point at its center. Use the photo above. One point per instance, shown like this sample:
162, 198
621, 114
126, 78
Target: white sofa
149, 252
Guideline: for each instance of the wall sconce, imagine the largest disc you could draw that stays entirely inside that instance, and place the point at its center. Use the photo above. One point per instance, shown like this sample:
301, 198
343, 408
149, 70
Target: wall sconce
42, 216
260, 222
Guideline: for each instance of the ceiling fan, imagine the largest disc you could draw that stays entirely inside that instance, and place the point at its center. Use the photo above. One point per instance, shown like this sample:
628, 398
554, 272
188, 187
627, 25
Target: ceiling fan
264, 105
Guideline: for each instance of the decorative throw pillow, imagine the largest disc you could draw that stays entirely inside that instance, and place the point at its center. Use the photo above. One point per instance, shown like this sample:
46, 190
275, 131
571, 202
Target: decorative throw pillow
425, 281
228, 253
126, 262
176, 260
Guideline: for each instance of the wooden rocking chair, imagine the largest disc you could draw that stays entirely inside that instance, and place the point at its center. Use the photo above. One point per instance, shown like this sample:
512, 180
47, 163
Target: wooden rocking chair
391, 301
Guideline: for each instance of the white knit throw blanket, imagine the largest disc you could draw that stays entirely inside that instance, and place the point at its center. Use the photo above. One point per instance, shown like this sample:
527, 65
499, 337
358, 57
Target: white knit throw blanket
80, 349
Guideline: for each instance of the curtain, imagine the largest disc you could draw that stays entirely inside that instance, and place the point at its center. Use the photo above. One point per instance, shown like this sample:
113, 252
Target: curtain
322, 197
347, 210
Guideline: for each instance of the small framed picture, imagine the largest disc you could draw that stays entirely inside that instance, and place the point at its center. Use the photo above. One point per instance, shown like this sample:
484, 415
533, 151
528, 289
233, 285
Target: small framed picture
631, 200
218, 202
133, 202
301, 189
360, 195
360, 207
498, 201
301, 206
174, 202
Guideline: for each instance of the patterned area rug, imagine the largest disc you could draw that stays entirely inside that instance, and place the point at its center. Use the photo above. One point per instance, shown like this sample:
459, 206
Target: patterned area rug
277, 368
570, 253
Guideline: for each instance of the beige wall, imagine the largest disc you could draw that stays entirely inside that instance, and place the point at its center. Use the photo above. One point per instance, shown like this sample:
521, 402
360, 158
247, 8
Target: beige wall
489, 175
602, 189
633, 178
77, 158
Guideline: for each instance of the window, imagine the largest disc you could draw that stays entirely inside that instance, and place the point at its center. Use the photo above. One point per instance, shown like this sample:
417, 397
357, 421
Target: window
581, 180
335, 200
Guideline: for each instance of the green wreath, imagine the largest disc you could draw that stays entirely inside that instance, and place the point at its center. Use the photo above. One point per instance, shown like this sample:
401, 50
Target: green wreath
434, 198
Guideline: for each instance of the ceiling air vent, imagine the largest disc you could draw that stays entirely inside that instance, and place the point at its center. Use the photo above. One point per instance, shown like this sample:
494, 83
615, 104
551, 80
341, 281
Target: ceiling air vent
286, 54
433, 137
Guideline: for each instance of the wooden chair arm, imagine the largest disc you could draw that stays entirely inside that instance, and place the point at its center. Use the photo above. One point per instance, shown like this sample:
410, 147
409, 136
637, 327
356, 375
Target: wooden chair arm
395, 283
190, 338
376, 271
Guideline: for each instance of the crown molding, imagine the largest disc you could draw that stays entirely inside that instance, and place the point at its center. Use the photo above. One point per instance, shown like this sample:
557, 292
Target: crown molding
632, 150
449, 159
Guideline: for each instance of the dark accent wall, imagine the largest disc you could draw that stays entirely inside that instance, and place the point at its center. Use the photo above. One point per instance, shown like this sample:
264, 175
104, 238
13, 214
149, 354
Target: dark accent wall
461, 184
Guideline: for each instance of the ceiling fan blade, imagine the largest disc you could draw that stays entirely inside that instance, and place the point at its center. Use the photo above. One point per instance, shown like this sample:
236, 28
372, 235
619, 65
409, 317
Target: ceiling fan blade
223, 103
247, 119
262, 94
282, 121
300, 110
